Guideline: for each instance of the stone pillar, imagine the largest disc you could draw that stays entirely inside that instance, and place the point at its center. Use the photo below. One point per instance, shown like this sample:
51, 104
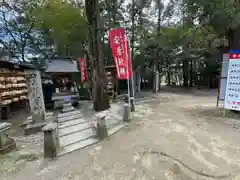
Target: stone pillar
127, 113
3, 137
35, 96
101, 127
51, 144
6, 144
38, 116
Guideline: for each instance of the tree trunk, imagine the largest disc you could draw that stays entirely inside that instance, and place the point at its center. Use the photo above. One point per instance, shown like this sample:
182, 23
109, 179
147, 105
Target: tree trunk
210, 81
99, 90
141, 50
139, 79
168, 77
234, 38
155, 73
156, 62
185, 73
132, 85
191, 74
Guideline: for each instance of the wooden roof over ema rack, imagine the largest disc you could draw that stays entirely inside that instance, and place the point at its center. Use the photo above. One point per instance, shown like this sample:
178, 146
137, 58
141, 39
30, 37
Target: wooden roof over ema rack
61, 65
14, 65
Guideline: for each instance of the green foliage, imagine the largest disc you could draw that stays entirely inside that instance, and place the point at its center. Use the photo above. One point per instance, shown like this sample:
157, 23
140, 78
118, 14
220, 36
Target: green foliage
62, 25
55, 26
16, 25
180, 31
221, 14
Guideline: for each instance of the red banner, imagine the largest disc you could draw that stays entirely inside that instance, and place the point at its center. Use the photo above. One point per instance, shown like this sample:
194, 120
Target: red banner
121, 53
83, 70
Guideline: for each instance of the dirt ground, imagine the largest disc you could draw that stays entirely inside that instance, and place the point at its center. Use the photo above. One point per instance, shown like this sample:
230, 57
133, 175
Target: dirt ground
175, 135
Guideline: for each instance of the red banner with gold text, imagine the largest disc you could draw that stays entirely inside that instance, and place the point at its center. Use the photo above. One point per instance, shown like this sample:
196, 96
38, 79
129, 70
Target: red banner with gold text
121, 53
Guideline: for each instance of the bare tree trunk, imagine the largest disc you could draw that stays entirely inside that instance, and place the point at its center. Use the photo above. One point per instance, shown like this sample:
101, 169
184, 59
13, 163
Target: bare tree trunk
99, 90
156, 77
156, 62
132, 85
191, 74
139, 79
234, 38
185, 73
169, 77
141, 49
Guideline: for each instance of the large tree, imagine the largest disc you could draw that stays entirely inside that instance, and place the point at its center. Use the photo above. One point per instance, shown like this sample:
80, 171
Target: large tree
61, 28
223, 17
16, 26
100, 94
71, 31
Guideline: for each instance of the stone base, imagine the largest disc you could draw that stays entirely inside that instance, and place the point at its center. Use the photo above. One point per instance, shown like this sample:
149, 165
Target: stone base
11, 145
67, 107
68, 110
127, 113
38, 116
51, 144
34, 128
4, 139
26, 122
100, 127
102, 131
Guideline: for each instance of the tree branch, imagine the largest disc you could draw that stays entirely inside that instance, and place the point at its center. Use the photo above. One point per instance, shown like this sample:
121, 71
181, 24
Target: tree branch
4, 44
5, 23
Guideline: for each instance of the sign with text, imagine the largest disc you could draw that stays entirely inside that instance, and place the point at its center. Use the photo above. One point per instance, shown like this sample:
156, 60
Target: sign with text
232, 96
121, 53
83, 70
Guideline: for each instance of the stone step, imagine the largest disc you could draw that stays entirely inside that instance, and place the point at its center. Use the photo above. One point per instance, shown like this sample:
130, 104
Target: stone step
74, 122
78, 145
73, 129
87, 142
76, 137
73, 146
4, 126
70, 117
68, 114
70, 109
48, 115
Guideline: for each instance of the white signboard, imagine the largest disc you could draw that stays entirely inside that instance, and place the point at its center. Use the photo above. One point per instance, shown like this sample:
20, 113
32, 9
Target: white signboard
232, 96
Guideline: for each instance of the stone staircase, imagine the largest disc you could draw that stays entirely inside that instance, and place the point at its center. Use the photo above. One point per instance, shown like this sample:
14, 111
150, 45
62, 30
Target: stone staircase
76, 132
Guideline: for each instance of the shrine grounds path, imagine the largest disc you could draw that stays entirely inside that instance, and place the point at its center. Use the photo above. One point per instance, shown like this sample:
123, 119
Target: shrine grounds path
174, 136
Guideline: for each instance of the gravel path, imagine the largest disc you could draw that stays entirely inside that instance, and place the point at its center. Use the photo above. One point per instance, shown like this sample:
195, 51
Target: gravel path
172, 137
